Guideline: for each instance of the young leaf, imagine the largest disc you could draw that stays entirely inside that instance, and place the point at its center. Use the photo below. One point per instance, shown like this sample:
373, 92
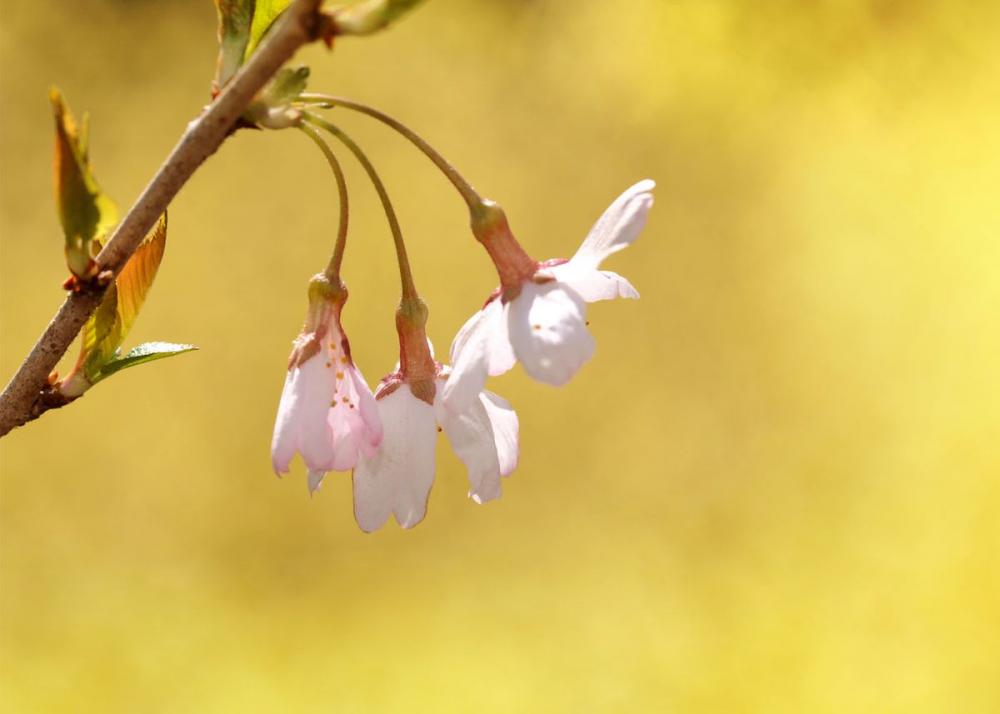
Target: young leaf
97, 327
370, 16
286, 85
84, 211
146, 352
265, 13
235, 18
106, 329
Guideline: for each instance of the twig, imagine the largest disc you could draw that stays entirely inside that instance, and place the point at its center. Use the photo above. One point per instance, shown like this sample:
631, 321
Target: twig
24, 398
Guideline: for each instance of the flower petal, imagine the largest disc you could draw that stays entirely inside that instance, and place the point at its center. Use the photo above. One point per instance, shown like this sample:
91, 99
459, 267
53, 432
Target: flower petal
353, 417
549, 333
301, 423
484, 437
619, 226
398, 478
284, 442
482, 347
316, 385
593, 285
503, 419
368, 412
315, 480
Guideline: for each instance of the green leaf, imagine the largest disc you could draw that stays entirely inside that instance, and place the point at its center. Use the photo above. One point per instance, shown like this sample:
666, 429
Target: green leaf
370, 16
235, 19
286, 85
84, 211
106, 329
264, 16
100, 323
146, 352
396, 8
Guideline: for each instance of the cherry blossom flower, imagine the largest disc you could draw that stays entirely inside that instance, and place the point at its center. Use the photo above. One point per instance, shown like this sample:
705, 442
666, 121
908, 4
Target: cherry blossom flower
538, 315
327, 412
397, 479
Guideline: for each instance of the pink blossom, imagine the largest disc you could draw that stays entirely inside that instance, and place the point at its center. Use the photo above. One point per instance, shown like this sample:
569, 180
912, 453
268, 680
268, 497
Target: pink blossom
538, 317
327, 412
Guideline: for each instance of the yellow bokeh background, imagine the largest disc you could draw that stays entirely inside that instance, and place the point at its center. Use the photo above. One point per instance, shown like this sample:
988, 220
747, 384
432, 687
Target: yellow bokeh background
773, 489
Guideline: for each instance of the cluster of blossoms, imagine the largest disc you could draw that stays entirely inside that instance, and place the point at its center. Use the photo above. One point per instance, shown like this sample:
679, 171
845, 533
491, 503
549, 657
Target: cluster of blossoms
329, 416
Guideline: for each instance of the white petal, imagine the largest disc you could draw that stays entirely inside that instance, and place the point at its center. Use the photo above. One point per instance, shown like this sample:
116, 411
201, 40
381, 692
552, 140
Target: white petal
593, 285
503, 419
398, 478
499, 351
619, 226
482, 347
315, 480
483, 437
549, 332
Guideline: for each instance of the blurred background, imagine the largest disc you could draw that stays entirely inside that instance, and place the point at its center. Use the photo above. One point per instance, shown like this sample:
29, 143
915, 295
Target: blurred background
773, 489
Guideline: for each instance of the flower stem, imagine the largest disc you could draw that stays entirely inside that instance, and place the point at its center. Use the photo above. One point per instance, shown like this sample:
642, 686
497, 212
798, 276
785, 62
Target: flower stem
405, 275
469, 194
336, 260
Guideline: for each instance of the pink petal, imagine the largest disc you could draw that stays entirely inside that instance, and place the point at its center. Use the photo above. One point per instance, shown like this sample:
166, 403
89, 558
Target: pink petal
398, 478
549, 332
316, 387
301, 422
619, 226
284, 442
353, 417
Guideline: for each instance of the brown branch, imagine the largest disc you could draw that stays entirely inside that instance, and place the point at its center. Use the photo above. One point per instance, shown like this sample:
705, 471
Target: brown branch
24, 398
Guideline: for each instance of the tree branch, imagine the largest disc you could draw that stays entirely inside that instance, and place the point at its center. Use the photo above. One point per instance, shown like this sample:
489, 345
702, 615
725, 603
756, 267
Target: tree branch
27, 396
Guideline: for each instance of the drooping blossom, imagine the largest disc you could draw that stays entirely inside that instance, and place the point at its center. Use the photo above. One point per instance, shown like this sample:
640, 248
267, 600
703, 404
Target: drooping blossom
538, 315
397, 479
327, 412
